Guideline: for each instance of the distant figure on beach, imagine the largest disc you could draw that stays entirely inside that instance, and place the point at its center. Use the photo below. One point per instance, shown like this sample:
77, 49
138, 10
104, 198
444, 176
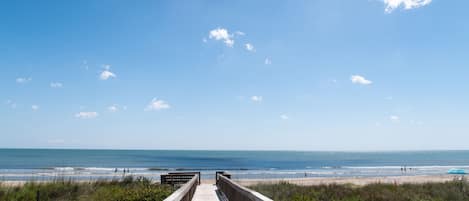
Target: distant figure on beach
306, 174
115, 170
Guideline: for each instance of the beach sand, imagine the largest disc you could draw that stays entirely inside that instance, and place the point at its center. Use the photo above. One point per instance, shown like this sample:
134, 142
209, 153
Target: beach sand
352, 180
348, 180
320, 180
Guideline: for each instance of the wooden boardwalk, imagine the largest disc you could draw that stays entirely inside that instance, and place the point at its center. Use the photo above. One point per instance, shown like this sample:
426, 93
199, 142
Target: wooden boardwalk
193, 190
206, 192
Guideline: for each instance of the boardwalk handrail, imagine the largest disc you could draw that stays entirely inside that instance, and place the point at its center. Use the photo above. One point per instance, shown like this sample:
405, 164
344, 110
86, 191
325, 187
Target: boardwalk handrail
175, 178
234, 191
186, 191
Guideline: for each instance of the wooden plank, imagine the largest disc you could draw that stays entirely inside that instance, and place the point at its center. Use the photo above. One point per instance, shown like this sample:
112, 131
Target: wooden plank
206, 192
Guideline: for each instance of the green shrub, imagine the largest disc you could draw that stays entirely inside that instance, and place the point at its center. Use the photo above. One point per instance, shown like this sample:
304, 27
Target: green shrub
128, 189
449, 191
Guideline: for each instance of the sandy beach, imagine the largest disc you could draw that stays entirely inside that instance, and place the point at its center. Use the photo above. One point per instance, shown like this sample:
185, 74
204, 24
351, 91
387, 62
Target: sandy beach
349, 180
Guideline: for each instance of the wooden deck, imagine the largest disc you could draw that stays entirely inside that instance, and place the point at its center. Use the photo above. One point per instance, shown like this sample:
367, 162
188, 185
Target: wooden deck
206, 192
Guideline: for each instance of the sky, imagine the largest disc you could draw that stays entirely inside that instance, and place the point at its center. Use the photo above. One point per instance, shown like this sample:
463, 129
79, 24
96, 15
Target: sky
235, 75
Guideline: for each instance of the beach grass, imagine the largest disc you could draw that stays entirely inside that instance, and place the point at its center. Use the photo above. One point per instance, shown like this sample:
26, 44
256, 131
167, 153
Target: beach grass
448, 191
126, 189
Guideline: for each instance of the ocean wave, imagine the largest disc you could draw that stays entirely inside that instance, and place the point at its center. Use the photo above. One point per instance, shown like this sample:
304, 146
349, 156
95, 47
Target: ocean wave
288, 173
64, 168
100, 169
95, 169
408, 166
328, 167
201, 169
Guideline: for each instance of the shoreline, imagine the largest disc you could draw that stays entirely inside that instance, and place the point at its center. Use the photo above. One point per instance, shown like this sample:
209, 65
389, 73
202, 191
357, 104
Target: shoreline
309, 181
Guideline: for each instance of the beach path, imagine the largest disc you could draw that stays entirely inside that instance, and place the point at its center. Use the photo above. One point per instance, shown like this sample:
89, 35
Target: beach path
206, 192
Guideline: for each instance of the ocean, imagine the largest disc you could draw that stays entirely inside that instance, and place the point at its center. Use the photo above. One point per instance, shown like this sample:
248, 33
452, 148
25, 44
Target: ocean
48, 164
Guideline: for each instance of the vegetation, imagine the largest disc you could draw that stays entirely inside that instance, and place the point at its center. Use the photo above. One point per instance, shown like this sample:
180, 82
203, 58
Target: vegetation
449, 191
127, 189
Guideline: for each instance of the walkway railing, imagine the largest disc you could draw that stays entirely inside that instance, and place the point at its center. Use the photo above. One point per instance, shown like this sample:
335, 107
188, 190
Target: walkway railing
186, 191
178, 178
236, 192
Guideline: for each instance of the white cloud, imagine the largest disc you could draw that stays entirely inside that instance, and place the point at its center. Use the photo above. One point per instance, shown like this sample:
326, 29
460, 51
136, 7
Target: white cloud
116, 108
394, 118
56, 85
156, 104
222, 34
113, 108
240, 33
407, 4
250, 47
284, 117
106, 73
86, 115
357, 79
256, 98
22, 80
34, 107
204, 40
267, 61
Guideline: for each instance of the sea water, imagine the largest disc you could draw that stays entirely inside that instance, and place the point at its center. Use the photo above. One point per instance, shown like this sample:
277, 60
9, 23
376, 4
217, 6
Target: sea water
47, 164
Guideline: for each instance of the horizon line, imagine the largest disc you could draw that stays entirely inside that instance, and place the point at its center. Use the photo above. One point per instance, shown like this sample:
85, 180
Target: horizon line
233, 150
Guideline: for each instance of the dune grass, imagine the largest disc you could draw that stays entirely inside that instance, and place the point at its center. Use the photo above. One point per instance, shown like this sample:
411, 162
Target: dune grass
449, 191
127, 189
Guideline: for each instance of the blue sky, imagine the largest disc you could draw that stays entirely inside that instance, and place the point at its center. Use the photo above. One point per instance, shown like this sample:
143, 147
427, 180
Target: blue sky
292, 75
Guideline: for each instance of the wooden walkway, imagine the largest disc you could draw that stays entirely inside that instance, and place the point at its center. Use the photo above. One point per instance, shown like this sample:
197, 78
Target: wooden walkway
193, 190
206, 192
